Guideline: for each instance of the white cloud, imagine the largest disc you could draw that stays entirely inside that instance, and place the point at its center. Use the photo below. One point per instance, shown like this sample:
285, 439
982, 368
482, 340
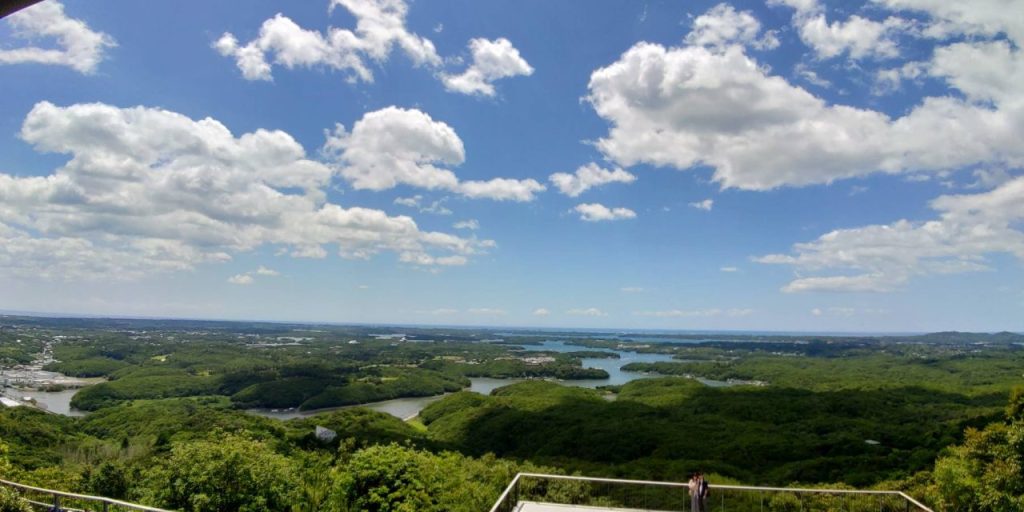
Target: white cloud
891, 79
631, 289
487, 311
977, 18
587, 177
395, 146
690, 106
241, 279
840, 311
437, 207
596, 212
722, 25
857, 190
989, 178
858, 37
492, 60
695, 313
443, 311
149, 190
810, 76
881, 258
501, 189
78, 46
541, 312
470, 224
705, 205
380, 25
264, 271
411, 202
729, 269
586, 312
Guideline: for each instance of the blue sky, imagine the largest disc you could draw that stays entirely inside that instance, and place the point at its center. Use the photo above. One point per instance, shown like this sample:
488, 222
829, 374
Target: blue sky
796, 165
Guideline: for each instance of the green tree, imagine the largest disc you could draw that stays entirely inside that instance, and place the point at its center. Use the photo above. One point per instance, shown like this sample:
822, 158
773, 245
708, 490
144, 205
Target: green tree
986, 472
384, 478
10, 501
224, 473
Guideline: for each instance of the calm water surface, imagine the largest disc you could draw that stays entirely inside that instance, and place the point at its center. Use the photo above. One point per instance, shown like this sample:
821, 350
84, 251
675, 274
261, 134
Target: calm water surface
53, 401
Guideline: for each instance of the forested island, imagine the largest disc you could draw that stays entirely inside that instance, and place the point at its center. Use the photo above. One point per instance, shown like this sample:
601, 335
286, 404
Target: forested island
167, 423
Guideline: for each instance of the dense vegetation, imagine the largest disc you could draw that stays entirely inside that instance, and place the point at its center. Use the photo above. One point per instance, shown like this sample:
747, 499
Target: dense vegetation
658, 429
166, 428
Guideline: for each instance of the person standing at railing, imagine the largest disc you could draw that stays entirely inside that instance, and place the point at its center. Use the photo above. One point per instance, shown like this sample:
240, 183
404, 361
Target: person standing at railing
694, 488
703, 490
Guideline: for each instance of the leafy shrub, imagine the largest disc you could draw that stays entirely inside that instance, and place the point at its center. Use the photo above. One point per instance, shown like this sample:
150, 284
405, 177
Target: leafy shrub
10, 501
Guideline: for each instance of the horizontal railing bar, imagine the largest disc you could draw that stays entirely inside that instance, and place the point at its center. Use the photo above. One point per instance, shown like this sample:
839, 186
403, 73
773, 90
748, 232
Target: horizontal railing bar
84, 497
712, 486
47, 506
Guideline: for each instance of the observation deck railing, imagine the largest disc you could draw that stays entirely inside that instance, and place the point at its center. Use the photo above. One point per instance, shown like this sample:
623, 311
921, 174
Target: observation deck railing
51, 500
530, 491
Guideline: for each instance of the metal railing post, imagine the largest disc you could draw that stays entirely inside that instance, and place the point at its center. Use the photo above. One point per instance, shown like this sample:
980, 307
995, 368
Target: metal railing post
515, 494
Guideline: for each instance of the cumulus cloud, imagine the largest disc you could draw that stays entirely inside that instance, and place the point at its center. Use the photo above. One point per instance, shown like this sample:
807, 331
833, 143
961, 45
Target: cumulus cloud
857, 37
380, 26
395, 146
148, 190
986, 18
723, 25
882, 258
705, 205
689, 106
728, 269
492, 60
596, 212
77, 46
631, 289
586, 312
587, 177
264, 271
541, 312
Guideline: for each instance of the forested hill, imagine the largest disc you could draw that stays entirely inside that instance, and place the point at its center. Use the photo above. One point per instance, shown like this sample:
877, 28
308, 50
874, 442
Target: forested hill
997, 338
